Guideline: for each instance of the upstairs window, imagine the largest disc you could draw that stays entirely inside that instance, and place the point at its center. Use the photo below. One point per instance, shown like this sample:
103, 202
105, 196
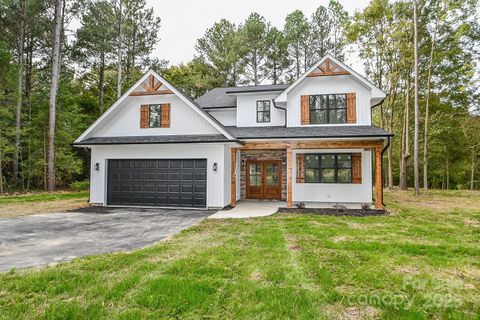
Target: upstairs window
328, 109
263, 111
155, 116
328, 168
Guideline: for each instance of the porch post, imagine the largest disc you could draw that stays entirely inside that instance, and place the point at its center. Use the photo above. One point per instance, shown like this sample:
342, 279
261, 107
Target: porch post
289, 177
378, 178
233, 201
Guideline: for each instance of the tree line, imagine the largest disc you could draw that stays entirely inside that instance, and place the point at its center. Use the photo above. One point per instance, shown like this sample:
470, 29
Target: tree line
64, 62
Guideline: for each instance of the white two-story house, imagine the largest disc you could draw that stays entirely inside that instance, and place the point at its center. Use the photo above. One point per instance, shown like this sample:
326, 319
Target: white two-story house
310, 141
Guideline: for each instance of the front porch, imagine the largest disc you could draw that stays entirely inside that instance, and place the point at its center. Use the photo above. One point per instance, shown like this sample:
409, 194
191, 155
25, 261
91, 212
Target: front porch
270, 170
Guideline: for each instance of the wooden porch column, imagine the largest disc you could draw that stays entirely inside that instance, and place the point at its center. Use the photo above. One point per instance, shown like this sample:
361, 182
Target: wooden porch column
289, 177
233, 201
378, 178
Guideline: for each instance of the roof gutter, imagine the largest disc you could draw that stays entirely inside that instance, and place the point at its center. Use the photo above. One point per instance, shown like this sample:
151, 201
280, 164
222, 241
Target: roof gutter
284, 111
389, 140
376, 105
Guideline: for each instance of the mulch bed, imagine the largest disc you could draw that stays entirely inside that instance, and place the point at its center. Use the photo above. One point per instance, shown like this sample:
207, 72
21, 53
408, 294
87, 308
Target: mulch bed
335, 212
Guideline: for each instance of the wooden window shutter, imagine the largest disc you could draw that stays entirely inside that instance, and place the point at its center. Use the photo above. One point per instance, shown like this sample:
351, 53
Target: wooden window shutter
305, 109
165, 115
144, 116
357, 168
300, 168
351, 107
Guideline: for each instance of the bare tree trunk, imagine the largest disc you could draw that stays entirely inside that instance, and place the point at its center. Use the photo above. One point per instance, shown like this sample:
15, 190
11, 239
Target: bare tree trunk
416, 133
101, 83
18, 109
1, 163
472, 169
425, 133
448, 173
53, 95
119, 49
406, 133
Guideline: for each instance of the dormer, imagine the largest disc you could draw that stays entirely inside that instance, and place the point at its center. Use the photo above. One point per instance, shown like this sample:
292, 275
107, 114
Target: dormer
329, 93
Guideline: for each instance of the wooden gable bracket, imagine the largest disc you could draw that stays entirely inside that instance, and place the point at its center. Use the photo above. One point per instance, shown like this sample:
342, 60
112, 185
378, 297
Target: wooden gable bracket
328, 69
150, 88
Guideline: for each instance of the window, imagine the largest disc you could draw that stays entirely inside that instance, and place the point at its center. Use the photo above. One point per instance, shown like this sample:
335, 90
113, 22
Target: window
328, 108
263, 111
155, 116
328, 168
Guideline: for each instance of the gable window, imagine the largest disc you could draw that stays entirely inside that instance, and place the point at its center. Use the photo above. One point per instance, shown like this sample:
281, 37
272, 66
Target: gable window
263, 111
328, 168
328, 108
155, 116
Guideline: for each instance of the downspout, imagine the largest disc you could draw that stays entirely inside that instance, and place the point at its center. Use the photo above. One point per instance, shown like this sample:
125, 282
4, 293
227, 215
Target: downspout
389, 139
284, 111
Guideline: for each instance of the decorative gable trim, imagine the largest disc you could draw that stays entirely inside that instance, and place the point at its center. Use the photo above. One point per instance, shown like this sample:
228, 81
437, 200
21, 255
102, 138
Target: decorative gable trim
151, 86
377, 93
328, 68
170, 87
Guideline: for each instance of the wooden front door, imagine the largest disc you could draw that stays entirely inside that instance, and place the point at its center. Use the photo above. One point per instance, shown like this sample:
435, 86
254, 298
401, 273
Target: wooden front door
264, 179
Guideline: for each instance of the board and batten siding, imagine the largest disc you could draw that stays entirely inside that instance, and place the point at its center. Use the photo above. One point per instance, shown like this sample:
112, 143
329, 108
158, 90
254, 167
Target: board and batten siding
126, 120
334, 192
218, 182
247, 111
329, 85
227, 117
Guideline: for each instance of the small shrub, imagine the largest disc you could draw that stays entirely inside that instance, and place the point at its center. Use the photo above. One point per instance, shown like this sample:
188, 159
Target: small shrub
300, 205
80, 185
340, 207
366, 206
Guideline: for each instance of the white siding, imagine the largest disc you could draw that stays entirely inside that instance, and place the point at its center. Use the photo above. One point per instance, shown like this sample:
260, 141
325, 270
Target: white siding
227, 117
331, 192
218, 182
329, 85
247, 111
126, 120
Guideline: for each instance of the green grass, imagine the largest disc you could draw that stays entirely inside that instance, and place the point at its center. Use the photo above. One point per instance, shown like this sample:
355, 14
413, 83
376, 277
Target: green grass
421, 262
40, 197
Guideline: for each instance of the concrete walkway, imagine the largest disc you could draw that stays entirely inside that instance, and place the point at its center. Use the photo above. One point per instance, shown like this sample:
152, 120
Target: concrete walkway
249, 209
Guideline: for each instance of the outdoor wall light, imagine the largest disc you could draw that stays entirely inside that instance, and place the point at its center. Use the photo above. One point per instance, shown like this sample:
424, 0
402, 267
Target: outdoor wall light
243, 163
215, 166
97, 166
284, 162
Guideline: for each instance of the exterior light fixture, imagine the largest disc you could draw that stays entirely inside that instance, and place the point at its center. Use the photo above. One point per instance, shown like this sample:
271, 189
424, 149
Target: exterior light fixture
215, 166
243, 163
97, 166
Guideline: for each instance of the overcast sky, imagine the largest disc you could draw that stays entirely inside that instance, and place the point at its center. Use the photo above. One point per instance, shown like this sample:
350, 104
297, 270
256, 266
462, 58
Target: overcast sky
184, 21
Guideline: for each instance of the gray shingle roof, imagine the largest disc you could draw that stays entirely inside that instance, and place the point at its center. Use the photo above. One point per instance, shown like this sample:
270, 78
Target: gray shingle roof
347, 131
164, 139
219, 98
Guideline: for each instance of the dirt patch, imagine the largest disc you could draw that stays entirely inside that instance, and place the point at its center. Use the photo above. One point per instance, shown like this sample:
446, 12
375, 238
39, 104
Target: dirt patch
295, 248
256, 276
23, 209
339, 239
407, 270
353, 312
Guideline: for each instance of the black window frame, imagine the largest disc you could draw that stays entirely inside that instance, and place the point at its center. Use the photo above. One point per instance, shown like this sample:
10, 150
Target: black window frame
336, 168
328, 108
263, 112
159, 115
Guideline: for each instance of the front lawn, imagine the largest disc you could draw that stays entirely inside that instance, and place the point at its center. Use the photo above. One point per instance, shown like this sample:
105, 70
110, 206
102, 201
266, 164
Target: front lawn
41, 202
423, 261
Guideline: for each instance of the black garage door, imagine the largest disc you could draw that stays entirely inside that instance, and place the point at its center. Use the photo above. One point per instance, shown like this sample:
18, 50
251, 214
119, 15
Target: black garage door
152, 182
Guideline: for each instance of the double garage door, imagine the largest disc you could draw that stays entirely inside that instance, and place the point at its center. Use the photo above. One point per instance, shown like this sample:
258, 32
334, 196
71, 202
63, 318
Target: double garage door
157, 182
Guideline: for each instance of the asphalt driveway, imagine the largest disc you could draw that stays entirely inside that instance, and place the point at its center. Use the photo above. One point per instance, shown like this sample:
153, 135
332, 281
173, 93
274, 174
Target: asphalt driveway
50, 238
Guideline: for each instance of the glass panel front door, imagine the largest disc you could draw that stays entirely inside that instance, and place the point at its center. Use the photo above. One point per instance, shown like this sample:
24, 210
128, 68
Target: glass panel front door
264, 179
